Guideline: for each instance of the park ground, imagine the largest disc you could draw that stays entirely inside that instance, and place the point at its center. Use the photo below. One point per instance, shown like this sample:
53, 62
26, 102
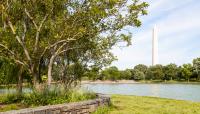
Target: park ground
149, 105
122, 104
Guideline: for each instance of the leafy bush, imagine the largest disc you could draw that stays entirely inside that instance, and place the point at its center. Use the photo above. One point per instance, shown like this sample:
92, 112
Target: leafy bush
48, 97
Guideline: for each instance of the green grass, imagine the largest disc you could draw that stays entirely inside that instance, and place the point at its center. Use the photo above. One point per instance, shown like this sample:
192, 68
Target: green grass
15, 106
149, 105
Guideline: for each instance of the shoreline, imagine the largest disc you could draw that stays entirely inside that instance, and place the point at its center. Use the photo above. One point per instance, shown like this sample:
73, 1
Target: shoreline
109, 82
116, 82
135, 82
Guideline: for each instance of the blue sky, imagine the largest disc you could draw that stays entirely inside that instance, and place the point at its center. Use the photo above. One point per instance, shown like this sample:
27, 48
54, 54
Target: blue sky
178, 23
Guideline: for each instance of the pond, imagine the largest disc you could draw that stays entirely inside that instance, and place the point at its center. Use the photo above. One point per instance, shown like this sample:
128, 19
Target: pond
173, 91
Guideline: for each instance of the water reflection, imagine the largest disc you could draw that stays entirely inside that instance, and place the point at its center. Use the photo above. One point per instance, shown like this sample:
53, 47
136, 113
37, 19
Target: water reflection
155, 90
11, 90
174, 91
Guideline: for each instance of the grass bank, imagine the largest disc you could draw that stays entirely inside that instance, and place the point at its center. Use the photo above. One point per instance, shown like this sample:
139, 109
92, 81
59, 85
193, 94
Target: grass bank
42, 98
149, 105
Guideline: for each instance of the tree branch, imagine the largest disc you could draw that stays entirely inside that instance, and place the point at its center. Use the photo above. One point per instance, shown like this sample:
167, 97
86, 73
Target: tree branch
59, 49
20, 42
42, 22
24, 33
51, 46
5, 47
31, 18
66, 50
38, 33
13, 55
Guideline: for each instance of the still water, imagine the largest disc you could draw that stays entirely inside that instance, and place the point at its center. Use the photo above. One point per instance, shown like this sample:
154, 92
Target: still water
174, 91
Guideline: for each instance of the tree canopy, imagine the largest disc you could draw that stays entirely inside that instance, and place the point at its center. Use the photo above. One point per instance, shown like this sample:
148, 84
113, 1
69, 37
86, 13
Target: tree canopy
36, 34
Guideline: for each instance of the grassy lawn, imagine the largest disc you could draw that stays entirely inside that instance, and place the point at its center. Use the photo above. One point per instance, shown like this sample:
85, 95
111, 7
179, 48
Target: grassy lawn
149, 105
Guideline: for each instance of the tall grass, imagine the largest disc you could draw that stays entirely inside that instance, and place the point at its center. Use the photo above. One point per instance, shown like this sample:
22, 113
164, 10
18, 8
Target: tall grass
102, 110
46, 96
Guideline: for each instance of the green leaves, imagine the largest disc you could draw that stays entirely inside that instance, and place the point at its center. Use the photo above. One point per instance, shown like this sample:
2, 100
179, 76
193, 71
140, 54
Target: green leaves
196, 65
155, 72
187, 71
42, 29
7, 71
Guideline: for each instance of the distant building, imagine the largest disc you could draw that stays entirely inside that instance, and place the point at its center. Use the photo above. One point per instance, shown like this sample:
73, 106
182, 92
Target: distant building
155, 46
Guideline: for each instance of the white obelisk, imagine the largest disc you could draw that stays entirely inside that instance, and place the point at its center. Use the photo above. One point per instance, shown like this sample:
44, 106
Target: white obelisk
155, 46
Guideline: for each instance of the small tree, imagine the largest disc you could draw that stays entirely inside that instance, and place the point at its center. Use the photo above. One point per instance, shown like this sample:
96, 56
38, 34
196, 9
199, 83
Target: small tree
142, 68
170, 71
187, 71
138, 75
155, 72
125, 74
111, 73
92, 73
196, 66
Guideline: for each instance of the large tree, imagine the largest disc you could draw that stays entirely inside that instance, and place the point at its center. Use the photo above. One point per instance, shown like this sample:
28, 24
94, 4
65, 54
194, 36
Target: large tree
141, 70
126, 74
187, 71
155, 72
80, 31
196, 65
111, 73
170, 71
138, 75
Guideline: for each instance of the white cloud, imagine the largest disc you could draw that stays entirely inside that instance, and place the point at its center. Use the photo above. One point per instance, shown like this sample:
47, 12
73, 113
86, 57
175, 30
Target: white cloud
179, 25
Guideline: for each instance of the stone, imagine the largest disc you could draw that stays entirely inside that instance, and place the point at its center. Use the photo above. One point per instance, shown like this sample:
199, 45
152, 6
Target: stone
84, 107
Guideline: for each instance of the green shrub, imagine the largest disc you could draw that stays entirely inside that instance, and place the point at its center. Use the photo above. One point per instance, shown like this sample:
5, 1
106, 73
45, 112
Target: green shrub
12, 98
56, 95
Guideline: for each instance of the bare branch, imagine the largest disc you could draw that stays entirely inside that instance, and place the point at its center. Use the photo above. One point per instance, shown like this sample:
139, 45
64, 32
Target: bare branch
67, 50
5, 47
38, 33
61, 41
13, 55
7, 4
56, 43
31, 18
20, 62
59, 49
42, 22
20, 42
24, 33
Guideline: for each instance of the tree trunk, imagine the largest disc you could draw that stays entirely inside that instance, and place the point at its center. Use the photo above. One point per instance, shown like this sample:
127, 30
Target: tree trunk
63, 74
20, 81
50, 67
35, 75
34, 79
39, 71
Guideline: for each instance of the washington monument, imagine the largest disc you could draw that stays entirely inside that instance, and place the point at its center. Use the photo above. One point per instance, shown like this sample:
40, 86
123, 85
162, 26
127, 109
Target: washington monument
154, 46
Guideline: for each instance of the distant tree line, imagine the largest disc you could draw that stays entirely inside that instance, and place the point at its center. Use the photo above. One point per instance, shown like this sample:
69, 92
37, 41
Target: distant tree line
186, 72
